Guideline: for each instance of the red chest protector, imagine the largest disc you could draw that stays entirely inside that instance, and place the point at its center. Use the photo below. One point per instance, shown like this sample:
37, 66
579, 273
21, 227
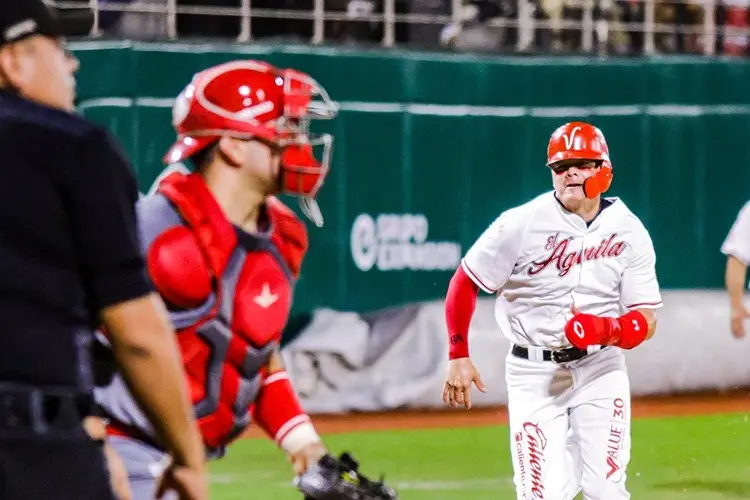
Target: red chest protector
228, 301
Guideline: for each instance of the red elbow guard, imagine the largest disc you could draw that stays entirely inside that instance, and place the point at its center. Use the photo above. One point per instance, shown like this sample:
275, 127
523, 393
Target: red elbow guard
633, 329
278, 412
460, 302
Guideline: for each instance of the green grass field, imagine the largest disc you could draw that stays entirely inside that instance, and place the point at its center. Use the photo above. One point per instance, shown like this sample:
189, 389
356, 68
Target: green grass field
686, 458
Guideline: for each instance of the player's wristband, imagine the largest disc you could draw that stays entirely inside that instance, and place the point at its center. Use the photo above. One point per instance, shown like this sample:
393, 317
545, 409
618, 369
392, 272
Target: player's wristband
627, 331
301, 435
458, 346
278, 412
634, 328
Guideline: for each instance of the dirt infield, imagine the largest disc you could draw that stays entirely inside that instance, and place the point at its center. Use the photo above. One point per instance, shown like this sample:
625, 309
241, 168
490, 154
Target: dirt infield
663, 406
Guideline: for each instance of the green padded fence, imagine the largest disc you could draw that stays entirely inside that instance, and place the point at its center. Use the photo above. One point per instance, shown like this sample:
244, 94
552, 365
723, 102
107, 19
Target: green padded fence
430, 148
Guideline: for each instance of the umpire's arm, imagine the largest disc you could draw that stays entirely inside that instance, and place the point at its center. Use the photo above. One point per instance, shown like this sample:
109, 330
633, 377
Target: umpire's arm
102, 193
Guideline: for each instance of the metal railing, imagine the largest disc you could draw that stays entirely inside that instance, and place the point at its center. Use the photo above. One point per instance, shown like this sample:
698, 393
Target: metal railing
593, 24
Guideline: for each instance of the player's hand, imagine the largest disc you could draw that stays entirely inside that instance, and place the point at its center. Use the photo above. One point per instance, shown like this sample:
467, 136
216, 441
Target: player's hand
457, 388
307, 456
582, 329
739, 315
190, 483
118, 474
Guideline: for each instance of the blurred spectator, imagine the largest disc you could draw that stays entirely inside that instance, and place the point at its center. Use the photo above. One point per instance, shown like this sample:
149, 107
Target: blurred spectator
471, 32
109, 19
357, 27
667, 13
631, 11
360, 30
336, 29
674, 19
427, 35
135, 25
571, 38
735, 16
692, 16
205, 25
686, 19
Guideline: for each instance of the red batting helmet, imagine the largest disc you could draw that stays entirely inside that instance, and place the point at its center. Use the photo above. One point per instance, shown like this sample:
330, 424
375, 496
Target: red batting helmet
582, 141
254, 100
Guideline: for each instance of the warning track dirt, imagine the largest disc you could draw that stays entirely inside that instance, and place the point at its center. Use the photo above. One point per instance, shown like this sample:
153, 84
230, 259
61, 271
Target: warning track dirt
650, 407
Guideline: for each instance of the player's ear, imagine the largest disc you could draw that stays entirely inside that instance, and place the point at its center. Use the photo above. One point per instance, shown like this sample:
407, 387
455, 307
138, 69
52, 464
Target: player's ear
233, 150
14, 67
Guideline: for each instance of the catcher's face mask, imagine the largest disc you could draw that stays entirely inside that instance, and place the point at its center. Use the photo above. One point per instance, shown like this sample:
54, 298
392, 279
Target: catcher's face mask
254, 100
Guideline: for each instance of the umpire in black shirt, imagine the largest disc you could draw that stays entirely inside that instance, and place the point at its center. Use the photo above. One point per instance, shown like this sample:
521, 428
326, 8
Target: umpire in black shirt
69, 263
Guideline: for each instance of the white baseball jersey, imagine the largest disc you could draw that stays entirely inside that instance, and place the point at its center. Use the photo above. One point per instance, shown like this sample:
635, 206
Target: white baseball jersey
737, 242
541, 259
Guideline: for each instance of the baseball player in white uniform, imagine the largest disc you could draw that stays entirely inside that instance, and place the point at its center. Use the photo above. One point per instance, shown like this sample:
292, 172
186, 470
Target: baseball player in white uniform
575, 282
736, 247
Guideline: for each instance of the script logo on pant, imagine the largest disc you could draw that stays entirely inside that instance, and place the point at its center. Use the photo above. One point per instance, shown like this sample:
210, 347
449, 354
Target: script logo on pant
617, 434
536, 442
520, 456
614, 472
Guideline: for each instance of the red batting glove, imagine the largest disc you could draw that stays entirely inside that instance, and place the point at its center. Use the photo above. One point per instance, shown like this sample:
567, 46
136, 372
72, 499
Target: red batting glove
584, 330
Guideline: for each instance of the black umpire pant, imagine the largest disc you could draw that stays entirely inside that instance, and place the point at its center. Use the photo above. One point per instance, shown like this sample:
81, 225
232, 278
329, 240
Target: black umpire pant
45, 453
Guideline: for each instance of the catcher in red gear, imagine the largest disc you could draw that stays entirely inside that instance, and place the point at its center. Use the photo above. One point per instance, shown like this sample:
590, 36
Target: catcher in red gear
224, 253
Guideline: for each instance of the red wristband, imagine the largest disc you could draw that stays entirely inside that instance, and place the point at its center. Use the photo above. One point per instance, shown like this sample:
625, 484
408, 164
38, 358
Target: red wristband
277, 411
458, 346
626, 332
633, 328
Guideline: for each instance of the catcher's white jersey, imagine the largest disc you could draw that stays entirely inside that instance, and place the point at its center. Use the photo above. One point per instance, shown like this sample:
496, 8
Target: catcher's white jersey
541, 259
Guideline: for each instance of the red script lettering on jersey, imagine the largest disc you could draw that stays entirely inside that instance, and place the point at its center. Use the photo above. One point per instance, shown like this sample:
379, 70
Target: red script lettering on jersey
564, 260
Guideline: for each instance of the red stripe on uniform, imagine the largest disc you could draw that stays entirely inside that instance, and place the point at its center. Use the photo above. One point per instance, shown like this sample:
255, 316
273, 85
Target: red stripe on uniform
645, 304
476, 278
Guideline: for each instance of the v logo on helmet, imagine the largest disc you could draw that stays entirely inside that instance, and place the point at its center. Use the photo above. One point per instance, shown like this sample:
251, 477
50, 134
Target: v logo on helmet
253, 112
569, 140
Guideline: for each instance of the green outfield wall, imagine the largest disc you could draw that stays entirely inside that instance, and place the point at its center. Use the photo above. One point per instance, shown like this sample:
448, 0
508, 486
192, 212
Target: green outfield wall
430, 148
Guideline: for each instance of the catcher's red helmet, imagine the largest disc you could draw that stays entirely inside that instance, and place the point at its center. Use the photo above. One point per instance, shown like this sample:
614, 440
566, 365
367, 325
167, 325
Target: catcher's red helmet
253, 99
582, 141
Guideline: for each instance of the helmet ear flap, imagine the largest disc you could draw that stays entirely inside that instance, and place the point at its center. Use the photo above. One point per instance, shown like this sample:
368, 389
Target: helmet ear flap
599, 182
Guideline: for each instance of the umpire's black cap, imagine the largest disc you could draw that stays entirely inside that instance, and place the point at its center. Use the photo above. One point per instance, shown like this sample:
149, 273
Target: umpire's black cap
21, 19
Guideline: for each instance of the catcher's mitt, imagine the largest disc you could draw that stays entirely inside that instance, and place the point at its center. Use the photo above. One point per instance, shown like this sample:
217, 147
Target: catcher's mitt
339, 479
